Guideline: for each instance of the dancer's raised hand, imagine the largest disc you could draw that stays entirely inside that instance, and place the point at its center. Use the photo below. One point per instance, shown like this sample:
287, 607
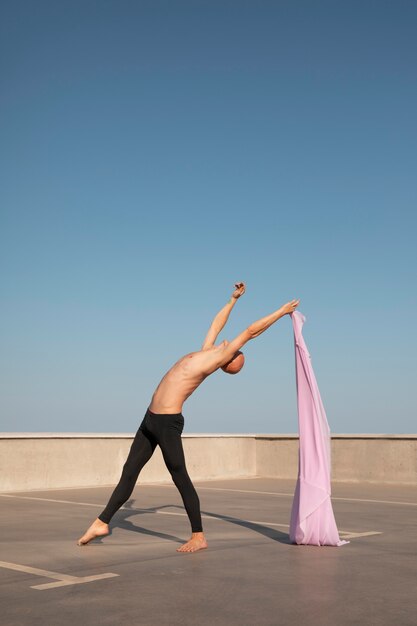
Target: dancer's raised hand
290, 307
239, 291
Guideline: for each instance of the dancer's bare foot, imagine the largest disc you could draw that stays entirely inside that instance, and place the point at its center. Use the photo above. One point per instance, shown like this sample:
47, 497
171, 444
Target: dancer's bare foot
97, 529
197, 542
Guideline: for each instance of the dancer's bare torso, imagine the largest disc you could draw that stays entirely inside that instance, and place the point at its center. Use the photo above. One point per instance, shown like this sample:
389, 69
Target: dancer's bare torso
184, 377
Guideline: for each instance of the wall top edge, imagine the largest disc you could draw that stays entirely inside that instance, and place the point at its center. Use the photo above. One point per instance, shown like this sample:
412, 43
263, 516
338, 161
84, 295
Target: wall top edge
259, 436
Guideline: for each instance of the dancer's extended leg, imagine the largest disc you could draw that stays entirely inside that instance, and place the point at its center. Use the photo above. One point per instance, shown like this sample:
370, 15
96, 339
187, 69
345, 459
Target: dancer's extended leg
141, 451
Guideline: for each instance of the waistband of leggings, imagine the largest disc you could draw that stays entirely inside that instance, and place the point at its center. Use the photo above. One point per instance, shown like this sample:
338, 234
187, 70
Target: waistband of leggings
164, 414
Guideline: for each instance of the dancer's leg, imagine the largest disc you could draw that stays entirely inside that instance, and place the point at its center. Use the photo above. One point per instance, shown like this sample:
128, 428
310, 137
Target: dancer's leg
173, 453
141, 451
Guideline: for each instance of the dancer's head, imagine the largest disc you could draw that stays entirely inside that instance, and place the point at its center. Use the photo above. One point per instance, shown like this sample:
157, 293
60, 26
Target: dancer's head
235, 364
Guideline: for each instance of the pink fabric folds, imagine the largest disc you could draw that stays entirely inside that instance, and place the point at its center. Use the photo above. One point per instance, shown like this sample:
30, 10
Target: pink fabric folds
312, 519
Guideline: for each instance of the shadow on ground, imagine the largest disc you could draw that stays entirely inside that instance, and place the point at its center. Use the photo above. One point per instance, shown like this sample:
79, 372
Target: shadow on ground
121, 520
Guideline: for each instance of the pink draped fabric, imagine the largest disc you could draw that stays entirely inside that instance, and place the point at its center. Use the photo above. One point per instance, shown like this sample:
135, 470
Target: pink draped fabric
312, 518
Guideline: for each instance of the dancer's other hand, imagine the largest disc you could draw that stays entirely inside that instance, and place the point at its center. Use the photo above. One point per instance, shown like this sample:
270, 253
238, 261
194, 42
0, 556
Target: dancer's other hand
239, 291
290, 307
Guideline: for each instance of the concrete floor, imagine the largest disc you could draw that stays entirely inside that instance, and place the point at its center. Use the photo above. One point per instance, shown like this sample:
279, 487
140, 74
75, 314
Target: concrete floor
249, 576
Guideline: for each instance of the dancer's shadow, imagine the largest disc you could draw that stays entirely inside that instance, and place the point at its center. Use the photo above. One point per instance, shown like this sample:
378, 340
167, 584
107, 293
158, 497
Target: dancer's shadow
121, 520
266, 531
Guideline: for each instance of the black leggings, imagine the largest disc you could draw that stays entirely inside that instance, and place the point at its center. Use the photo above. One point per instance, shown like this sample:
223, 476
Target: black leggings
163, 430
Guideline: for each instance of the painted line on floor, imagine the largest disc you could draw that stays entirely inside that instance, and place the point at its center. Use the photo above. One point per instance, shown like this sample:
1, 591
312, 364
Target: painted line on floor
346, 533
264, 493
63, 580
290, 495
128, 508
8, 495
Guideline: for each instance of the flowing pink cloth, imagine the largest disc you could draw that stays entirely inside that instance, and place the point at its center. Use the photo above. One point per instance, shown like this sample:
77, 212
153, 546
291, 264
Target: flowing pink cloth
312, 518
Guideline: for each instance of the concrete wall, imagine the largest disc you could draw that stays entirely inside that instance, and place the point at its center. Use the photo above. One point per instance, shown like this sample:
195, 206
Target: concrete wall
381, 459
373, 458
51, 461
45, 461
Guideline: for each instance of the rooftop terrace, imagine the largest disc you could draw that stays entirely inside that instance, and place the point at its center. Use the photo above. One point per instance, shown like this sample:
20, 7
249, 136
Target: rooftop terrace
250, 575
53, 485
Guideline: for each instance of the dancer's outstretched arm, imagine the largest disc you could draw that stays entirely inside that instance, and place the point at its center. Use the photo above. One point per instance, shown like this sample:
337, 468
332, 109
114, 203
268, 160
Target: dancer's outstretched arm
254, 330
257, 328
222, 316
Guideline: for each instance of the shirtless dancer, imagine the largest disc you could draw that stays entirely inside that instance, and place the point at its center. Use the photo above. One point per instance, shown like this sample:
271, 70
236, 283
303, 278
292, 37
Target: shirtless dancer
163, 422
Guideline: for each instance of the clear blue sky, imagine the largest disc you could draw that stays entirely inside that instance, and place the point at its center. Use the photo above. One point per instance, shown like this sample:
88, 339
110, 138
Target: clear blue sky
155, 152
